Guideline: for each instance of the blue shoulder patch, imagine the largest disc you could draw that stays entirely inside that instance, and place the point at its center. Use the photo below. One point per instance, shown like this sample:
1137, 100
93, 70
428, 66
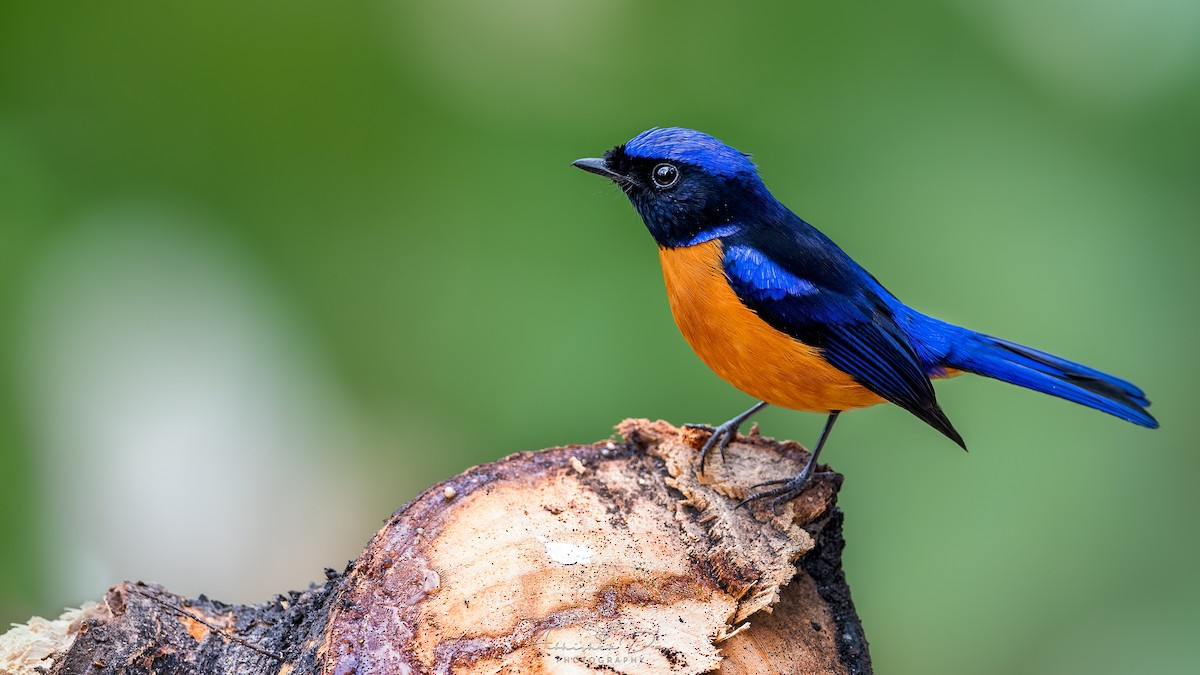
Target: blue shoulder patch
693, 147
713, 233
767, 280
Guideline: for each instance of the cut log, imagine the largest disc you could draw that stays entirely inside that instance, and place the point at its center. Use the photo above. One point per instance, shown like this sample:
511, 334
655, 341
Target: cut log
611, 557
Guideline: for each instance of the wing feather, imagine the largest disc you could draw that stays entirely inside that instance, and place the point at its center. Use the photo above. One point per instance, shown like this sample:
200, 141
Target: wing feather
848, 322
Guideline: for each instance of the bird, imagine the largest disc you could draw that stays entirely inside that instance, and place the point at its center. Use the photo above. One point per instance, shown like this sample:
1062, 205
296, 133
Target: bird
782, 313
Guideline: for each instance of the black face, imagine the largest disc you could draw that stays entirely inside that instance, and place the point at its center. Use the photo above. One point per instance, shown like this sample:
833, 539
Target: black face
677, 200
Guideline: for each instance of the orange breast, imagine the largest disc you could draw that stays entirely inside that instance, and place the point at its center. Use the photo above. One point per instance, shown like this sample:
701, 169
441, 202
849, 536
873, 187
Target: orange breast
742, 348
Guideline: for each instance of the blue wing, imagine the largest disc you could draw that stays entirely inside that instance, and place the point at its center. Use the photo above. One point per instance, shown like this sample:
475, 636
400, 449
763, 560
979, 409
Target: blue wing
823, 299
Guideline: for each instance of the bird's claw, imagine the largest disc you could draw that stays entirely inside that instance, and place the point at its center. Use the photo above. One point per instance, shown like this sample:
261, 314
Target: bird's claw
720, 438
789, 489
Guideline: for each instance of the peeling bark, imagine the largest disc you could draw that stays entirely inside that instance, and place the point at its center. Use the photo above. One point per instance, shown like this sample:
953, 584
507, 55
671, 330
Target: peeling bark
611, 557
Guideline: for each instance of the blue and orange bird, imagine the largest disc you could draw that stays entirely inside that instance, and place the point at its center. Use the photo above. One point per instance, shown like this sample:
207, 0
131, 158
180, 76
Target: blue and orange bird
783, 314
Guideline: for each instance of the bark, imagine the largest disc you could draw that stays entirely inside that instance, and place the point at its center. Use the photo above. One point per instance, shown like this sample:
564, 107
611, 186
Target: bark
611, 557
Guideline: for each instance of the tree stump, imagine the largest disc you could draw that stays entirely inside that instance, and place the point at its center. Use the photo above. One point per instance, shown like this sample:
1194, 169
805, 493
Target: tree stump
610, 557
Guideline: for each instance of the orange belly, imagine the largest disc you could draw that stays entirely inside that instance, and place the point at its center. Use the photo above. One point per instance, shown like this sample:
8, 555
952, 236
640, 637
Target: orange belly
742, 348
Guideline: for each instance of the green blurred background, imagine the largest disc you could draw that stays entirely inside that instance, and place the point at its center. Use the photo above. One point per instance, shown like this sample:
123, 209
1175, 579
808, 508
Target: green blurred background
268, 269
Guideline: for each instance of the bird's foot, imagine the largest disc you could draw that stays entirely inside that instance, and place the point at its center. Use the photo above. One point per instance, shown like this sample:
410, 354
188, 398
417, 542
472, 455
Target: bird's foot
720, 437
789, 488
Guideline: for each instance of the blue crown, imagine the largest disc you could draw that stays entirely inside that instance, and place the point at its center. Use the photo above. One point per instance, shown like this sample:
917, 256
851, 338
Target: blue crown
693, 147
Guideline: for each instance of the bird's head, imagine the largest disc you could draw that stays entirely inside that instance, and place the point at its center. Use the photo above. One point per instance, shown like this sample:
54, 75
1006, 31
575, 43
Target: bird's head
685, 184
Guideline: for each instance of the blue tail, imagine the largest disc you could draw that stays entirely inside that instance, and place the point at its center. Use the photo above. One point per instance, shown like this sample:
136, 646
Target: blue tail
1037, 370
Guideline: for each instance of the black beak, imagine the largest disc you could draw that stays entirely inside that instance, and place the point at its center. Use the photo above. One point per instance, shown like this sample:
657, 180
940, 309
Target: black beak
599, 167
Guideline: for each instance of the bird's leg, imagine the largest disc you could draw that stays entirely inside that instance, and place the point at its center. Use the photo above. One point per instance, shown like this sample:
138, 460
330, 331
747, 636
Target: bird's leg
724, 434
792, 487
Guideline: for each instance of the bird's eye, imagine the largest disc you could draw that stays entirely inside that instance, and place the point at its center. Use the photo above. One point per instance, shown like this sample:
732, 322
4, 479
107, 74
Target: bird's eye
665, 175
